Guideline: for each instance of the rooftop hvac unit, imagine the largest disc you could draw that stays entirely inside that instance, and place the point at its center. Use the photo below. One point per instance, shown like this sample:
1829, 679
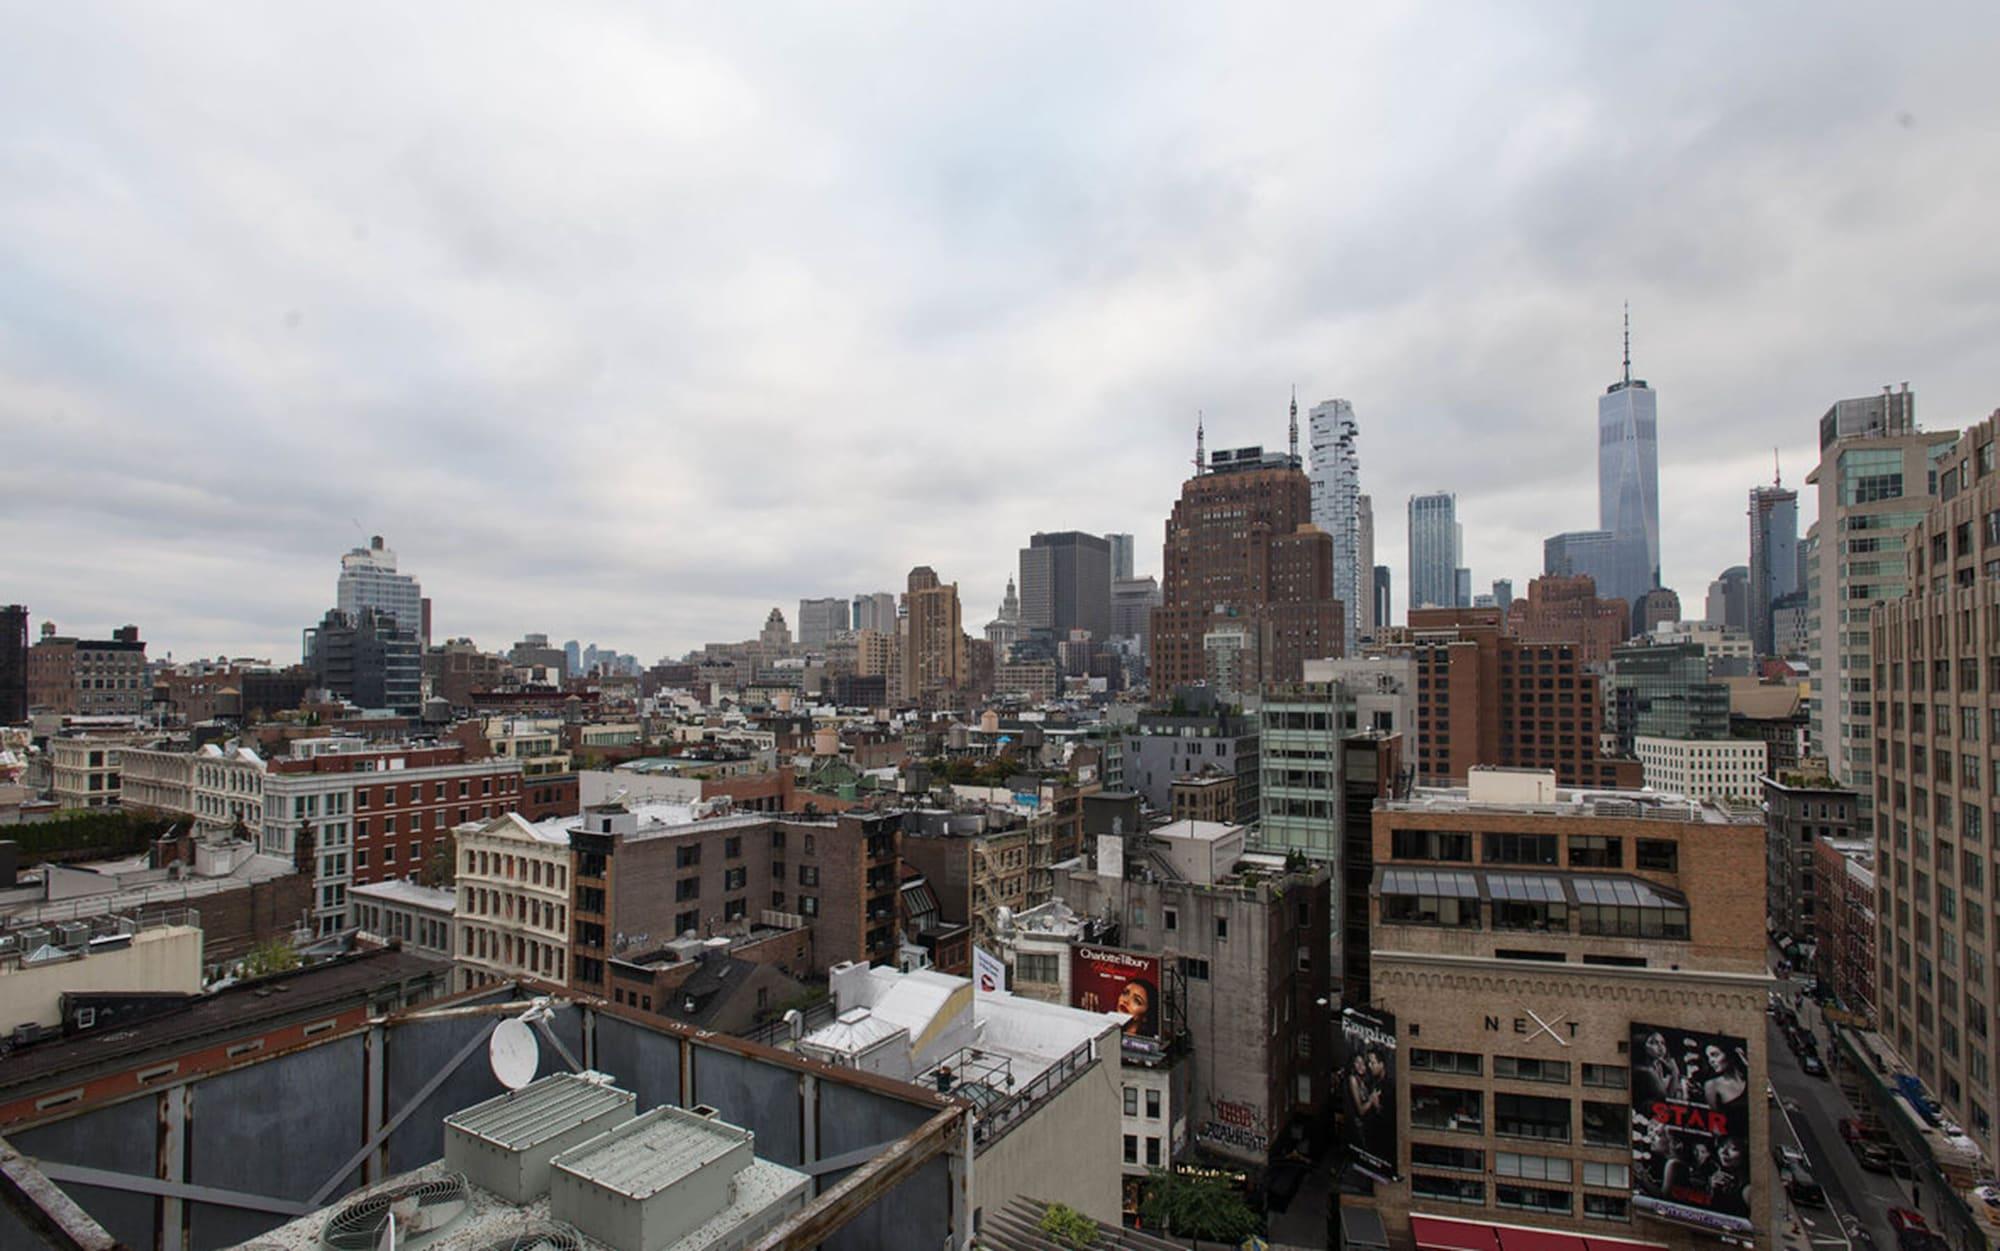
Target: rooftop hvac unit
34, 937
420, 1210
73, 934
536, 1238
505, 1144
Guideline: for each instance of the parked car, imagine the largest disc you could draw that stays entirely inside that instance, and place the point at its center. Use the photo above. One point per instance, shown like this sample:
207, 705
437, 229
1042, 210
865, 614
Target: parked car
1912, 1231
1811, 1065
1873, 1156
1787, 1155
1855, 1129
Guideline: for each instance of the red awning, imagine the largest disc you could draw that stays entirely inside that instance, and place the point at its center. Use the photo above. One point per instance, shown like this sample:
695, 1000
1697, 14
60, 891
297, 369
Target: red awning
1436, 1233
1444, 1233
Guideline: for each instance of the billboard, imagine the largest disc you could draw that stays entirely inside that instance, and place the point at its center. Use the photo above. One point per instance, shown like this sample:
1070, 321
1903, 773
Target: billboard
1691, 1128
1102, 979
989, 972
1368, 1091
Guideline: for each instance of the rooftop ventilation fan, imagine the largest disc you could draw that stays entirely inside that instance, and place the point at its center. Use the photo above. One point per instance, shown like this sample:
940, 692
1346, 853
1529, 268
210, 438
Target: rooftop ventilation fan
537, 1238
418, 1210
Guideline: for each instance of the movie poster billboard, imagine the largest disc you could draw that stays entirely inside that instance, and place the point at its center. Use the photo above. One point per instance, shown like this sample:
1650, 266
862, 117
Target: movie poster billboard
1368, 1091
1691, 1127
1102, 979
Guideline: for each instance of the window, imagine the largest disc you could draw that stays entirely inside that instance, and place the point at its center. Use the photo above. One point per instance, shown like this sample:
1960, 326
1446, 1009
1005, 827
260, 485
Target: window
1030, 966
1607, 1124
1457, 1159
687, 857
1170, 919
1530, 1198
1463, 1063
1530, 1116
1520, 849
809, 905
1222, 929
1153, 1105
1430, 845
732, 847
1131, 1101
1131, 1148
1153, 1151
1446, 1108
1531, 1167
687, 923
1628, 908
1531, 1069
1659, 855
1596, 851
1191, 968
809, 875
1616, 1176
687, 888
1525, 902
1448, 1189
1446, 897
1607, 1207
736, 877
1606, 1076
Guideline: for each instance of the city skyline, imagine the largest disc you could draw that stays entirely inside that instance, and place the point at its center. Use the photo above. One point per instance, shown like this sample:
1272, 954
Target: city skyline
249, 331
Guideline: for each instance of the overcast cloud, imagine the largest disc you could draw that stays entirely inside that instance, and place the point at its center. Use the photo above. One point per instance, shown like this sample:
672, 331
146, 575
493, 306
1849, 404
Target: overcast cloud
625, 325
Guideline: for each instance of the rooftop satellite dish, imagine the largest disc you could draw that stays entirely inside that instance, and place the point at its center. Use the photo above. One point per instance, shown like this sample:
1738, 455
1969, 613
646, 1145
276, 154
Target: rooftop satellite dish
513, 1053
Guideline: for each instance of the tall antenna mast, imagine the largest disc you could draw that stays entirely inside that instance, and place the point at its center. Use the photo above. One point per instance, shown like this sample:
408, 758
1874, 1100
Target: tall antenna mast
1200, 458
1295, 423
1777, 476
1628, 343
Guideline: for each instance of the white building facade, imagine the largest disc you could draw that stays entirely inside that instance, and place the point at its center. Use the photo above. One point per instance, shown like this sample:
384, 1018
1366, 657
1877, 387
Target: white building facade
1703, 769
368, 579
512, 920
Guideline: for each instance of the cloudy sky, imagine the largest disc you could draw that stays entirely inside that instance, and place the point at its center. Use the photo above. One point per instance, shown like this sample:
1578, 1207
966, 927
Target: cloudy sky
626, 325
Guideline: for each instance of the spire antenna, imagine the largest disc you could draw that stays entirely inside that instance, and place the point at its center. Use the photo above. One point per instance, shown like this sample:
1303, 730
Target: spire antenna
1777, 474
1295, 424
1628, 343
1200, 458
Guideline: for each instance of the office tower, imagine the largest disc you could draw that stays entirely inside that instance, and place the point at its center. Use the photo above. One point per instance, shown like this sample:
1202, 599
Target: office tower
1434, 550
1336, 500
1248, 578
934, 648
1503, 593
1567, 610
573, 658
1583, 553
1728, 603
13, 664
1383, 609
822, 619
1533, 966
370, 658
1661, 606
1066, 584
1664, 691
1774, 558
1461, 587
1935, 650
1364, 564
1876, 479
1121, 555
875, 611
1132, 603
369, 581
1628, 483
1471, 711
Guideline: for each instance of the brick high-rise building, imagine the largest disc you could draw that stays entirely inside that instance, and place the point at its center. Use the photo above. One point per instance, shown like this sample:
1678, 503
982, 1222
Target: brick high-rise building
1567, 610
934, 643
1484, 698
1936, 696
13, 664
1546, 966
1242, 555
89, 677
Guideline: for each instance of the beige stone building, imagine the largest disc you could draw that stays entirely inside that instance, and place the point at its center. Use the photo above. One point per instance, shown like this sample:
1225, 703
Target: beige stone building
512, 920
1531, 944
